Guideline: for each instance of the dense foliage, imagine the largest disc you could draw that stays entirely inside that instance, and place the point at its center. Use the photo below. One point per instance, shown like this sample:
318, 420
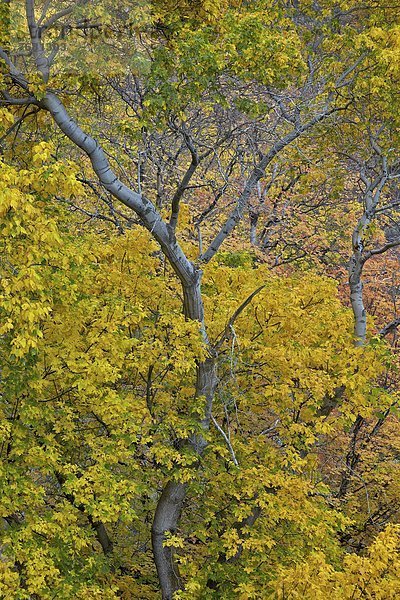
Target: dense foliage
198, 397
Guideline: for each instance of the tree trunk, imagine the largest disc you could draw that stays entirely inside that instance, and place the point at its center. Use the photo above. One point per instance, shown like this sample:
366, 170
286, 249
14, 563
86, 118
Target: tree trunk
356, 266
171, 501
170, 504
356, 298
165, 521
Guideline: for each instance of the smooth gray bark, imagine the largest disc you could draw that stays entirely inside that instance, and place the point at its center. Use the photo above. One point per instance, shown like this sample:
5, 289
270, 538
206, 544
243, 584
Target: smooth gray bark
166, 519
169, 507
147, 212
356, 292
359, 257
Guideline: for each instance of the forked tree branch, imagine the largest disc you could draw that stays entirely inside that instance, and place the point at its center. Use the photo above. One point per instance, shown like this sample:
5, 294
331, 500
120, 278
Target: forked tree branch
258, 172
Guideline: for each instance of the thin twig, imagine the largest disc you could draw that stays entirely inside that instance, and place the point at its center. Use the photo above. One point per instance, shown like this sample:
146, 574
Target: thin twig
228, 443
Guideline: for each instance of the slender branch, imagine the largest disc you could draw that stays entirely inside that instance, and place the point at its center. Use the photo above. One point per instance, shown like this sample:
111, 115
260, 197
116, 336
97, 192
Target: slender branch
108, 202
101, 532
19, 101
45, 9
389, 328
227, 333
92, 215
17, 123
227, 441
182, 188
387, 207
15, 74
381, 250
57, 16
341, 81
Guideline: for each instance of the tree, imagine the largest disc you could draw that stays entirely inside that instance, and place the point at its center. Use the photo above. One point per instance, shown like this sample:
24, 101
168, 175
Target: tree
309, 81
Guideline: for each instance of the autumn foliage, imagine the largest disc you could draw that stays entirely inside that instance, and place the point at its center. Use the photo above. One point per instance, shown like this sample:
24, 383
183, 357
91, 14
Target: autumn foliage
187, 406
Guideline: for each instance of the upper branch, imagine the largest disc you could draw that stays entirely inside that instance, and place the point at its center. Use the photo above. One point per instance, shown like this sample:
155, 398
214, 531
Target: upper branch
147, 212
41, 60
382, 249
195, 161
16, 76
257, 173
389, 328
227, 333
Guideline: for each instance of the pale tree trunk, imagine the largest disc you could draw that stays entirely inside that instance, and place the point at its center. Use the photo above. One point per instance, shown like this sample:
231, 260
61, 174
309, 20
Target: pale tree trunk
373, 189
372, 194
166, 519
170, 504
169, 507
254, 216
355, 282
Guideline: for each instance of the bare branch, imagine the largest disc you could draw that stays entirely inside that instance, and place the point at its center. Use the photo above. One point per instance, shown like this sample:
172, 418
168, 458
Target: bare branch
227, 333
18, 123
185, 181
341, 81
381, 250
45, 9
257, 173
227, 440
383, 209
15, 74
18, 101
56, 17
389, 328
